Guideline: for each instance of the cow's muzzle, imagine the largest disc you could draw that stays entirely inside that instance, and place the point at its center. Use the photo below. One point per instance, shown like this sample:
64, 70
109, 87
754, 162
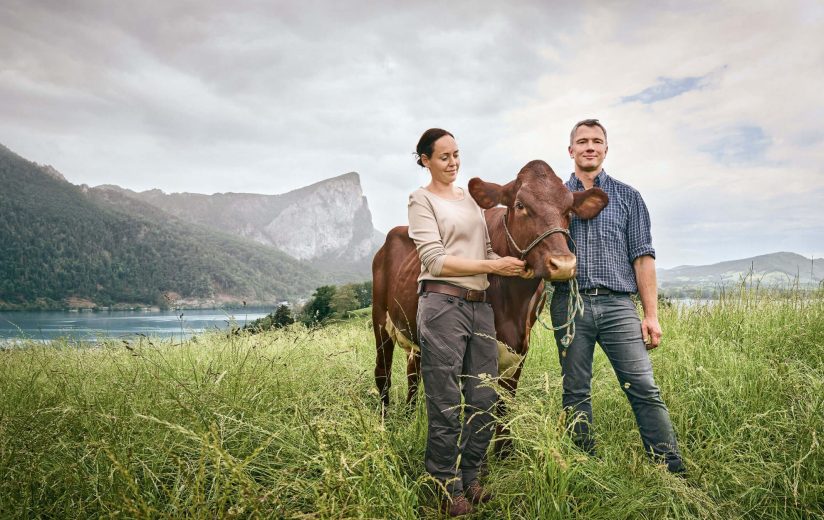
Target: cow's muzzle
560, 267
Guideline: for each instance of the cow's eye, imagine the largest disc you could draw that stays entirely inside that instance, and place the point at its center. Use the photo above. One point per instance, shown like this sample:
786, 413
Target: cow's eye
519, 204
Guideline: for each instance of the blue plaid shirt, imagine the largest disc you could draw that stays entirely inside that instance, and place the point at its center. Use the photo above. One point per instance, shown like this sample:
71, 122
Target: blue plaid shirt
608, 244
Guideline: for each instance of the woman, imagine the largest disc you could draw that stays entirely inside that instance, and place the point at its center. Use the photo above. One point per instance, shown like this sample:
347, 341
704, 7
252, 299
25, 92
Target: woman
456, 328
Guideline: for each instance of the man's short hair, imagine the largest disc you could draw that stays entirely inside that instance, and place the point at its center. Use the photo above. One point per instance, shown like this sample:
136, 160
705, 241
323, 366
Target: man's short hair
587, 122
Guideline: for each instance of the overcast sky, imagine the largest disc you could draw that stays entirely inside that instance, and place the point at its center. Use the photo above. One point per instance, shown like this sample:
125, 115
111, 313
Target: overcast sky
714, 109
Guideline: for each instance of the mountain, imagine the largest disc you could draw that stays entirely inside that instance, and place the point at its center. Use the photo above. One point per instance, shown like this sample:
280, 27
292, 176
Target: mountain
770, 269
328, 224
62, 243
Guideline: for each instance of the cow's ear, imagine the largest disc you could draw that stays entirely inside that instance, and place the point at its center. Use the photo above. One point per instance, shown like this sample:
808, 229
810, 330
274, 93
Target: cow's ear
589, 203
488, 194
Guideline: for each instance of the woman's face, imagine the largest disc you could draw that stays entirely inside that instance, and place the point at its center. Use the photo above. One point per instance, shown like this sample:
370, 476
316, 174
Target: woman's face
445, 161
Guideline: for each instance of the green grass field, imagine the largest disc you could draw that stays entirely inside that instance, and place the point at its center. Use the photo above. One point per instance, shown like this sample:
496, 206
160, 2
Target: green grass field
286, 425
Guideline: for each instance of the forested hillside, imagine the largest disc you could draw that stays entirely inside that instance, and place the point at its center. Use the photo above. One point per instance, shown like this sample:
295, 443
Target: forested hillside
58, 242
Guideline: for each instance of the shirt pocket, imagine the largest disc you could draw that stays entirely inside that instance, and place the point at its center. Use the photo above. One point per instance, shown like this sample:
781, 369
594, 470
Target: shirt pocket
611, 230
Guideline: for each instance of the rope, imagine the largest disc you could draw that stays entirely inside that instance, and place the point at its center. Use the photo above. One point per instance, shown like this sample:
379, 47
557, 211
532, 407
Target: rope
575, 305
535, 242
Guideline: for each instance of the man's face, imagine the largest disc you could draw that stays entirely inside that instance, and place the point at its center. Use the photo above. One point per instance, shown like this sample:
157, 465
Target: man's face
588, 148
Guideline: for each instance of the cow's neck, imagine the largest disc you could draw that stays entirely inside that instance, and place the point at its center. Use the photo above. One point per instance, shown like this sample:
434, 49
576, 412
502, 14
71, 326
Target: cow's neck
512, 310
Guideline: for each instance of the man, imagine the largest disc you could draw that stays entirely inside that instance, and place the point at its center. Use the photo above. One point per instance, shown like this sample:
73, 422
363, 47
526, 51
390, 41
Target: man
615, 259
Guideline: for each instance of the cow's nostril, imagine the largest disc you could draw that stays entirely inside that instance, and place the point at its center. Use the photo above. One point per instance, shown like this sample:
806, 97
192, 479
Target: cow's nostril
562, 263
561, 267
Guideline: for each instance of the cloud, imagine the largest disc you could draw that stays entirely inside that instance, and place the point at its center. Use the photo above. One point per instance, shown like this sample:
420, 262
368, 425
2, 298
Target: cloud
741, 144
727, 166
713, 108
665, 88
267, 98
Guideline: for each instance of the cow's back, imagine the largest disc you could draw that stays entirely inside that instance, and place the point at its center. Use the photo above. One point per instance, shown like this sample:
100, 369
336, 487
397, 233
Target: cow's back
395, 271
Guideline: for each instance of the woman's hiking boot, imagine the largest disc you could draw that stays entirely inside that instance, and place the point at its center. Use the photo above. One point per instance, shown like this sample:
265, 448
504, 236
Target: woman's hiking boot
476, 493
457, 505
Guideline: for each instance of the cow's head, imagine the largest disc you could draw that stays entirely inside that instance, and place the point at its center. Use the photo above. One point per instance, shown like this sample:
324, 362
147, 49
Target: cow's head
537, 201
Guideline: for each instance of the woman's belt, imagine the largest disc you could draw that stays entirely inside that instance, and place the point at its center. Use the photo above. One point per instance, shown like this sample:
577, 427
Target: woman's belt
469, 295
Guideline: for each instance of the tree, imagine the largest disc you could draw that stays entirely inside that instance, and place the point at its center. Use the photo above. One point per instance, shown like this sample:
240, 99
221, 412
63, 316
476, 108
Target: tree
319, 307
282, 317
275, 320
363, 291
345, 300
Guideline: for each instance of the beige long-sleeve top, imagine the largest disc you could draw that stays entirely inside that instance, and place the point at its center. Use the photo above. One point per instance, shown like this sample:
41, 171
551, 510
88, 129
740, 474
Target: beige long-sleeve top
441, 227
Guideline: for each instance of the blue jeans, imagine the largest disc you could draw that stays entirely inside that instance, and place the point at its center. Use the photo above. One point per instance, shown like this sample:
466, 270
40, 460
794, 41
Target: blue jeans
612, 320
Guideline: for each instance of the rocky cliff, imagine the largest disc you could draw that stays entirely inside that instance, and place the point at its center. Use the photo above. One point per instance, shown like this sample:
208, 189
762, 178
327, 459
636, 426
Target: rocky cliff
327, 223
330, 219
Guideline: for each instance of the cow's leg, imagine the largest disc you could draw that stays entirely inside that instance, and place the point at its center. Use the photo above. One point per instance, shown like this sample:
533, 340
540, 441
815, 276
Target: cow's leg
413, 374
502, 443
385, 348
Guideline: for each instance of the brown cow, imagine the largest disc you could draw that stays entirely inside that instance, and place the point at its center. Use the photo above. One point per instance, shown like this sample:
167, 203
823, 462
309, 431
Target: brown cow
536, 202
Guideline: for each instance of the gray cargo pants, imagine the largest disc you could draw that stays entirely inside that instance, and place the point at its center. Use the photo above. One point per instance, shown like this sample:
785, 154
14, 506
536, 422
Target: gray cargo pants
457, 340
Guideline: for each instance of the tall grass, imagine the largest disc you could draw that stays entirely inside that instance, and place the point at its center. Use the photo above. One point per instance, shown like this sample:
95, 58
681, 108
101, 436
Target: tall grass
286, 425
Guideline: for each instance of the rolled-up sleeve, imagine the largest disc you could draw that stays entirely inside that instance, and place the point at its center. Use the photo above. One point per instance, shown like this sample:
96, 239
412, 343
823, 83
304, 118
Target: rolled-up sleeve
639, 236
490, 254
423, 230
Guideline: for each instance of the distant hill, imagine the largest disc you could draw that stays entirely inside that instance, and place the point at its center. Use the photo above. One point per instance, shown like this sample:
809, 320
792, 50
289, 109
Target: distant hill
61, 244
327, 224
772, 269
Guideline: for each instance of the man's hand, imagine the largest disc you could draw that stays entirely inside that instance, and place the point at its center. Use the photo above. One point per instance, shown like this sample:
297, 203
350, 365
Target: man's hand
651, 331
644, 267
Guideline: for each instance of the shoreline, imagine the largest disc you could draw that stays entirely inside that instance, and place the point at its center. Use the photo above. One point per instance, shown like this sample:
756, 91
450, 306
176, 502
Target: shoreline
144, 308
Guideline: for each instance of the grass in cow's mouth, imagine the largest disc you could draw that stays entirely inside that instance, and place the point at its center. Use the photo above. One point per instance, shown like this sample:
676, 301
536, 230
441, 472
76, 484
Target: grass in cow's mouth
286, 424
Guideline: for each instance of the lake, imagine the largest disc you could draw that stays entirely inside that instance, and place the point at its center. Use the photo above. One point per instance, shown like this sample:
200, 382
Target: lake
93, 326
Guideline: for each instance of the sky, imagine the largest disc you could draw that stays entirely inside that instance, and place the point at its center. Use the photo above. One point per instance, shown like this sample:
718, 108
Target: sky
713, 109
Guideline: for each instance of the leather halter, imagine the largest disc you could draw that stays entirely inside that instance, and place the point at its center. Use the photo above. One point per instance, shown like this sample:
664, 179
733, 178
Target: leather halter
535, 242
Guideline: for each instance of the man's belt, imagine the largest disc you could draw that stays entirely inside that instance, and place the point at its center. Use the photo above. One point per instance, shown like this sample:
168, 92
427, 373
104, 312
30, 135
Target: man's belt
453, 290
599, 291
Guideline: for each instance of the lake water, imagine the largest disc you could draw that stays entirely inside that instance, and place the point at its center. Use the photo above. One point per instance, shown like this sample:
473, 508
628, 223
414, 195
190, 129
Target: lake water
93, 326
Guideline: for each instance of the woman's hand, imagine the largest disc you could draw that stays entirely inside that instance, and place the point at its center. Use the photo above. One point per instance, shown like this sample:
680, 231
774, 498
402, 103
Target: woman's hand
507, 266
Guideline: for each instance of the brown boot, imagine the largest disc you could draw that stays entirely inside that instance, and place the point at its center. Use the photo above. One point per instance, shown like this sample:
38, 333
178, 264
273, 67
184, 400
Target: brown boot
457, 505
477, 494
